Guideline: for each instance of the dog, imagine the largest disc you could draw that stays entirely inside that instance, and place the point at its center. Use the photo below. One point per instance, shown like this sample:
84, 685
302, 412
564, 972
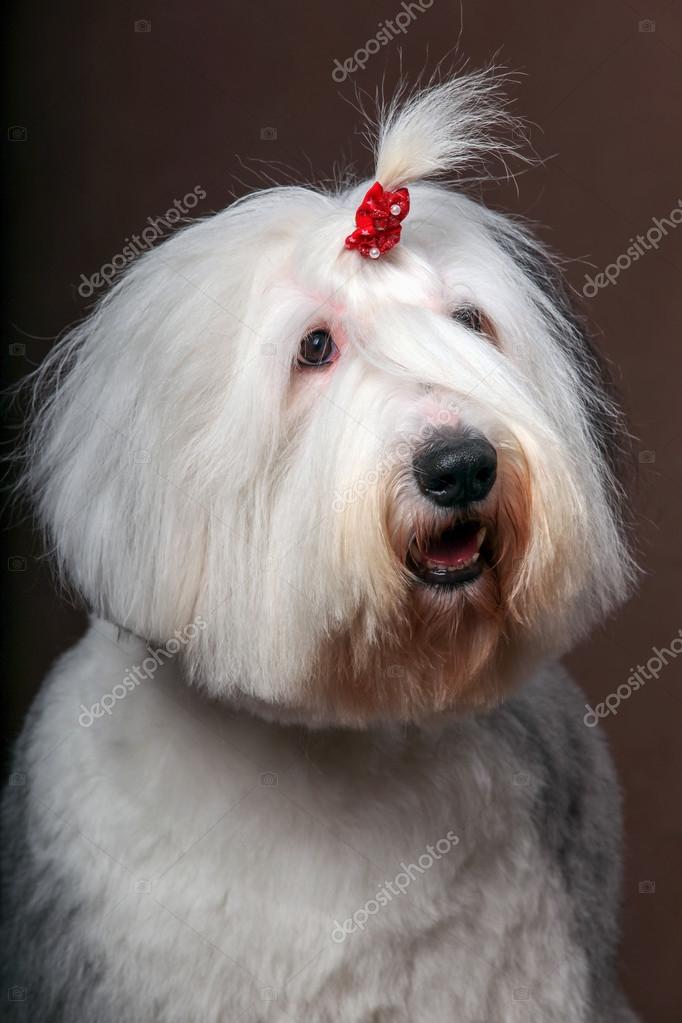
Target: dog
338, 475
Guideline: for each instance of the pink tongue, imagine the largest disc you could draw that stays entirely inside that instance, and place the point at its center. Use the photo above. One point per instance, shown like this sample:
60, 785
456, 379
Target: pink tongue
454, 546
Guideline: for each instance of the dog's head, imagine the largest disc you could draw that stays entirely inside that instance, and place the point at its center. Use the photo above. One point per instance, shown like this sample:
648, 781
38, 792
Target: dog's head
387, 484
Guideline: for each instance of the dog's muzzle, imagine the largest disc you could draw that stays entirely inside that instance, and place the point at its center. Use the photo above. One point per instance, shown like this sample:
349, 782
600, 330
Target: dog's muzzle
455, 472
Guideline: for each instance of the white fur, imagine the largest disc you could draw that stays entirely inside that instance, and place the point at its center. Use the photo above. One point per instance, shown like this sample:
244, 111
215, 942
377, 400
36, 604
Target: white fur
188, 363
182, 466
212, 891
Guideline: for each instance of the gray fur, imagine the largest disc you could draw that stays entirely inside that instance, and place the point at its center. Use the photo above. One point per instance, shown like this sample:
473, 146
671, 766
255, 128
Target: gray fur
576, 810
564, 777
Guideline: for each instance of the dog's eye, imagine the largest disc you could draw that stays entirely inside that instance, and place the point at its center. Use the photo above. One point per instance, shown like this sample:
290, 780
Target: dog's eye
473, 319
317, 349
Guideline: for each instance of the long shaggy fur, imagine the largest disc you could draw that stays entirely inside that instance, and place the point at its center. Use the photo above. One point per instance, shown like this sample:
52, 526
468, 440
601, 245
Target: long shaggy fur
154, 389
183, 465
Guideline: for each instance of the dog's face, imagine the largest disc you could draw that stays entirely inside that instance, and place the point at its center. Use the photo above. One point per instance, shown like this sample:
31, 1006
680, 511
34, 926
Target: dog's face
384, 484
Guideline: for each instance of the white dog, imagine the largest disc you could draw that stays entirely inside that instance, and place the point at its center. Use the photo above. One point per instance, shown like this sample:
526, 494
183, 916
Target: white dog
331, 496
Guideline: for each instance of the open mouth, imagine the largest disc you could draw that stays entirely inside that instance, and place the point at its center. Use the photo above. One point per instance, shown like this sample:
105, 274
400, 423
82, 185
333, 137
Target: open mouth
450, 558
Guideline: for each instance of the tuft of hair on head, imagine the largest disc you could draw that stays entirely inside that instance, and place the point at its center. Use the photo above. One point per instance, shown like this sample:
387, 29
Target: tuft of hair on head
446, 129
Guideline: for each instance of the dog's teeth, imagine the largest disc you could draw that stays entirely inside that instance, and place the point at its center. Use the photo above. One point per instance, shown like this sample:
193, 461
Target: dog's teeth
436, 566
441, 570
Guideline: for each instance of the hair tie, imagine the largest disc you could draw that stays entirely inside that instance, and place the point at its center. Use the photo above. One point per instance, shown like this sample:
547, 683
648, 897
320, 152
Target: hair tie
378, 221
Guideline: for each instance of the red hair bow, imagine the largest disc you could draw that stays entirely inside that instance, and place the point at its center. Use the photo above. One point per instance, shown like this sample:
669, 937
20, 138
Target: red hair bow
378, 221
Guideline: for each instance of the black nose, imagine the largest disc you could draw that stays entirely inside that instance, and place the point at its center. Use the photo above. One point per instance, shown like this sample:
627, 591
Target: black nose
454, 471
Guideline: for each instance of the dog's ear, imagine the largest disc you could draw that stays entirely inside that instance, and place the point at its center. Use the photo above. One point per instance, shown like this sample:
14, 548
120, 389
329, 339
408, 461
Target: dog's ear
109, 461
603, 400
598, 391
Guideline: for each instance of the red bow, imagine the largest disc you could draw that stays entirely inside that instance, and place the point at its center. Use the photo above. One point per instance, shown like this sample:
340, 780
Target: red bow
377, 221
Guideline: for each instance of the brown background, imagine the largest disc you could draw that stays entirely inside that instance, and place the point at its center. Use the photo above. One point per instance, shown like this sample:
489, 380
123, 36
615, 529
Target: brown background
119, 122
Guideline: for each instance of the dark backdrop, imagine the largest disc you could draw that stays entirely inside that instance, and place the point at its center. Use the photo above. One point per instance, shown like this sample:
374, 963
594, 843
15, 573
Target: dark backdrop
115, 110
